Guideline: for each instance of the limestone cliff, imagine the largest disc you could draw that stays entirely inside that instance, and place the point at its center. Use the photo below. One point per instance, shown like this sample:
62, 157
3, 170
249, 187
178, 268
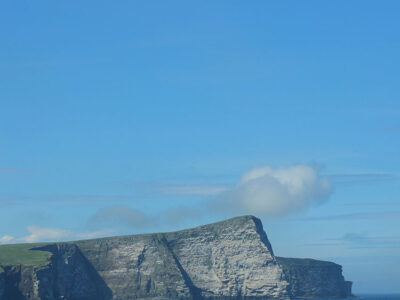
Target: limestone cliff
226, 259
232, 259
310, 278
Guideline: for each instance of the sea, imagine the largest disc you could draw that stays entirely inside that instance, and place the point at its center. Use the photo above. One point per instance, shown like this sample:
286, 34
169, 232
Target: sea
378, 297
370, 297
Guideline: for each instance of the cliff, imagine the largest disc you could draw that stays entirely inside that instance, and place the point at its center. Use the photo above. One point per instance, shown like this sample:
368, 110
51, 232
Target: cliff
232, 259
310, 278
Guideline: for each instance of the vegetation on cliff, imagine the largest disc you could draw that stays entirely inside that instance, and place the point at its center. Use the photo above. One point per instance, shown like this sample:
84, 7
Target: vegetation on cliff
22, 254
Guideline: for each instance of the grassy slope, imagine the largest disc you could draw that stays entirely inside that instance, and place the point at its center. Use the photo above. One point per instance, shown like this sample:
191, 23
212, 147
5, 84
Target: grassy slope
16, 254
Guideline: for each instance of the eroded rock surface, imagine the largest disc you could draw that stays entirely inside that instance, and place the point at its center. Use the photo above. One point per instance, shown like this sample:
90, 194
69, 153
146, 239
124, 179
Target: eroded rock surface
232, 259
310, 278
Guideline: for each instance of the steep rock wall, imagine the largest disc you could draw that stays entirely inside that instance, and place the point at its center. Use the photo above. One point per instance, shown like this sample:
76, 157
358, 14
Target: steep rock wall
230, 259
69, 276
141, 266
311, 278
226, 259
18, 282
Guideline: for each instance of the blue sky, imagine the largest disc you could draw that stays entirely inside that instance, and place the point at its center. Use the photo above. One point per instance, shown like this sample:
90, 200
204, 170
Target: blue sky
127, 117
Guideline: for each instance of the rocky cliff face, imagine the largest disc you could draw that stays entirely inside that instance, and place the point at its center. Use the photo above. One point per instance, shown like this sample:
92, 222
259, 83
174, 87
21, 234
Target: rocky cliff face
226, 259
68, 275
2, 282
232, 259
310, 278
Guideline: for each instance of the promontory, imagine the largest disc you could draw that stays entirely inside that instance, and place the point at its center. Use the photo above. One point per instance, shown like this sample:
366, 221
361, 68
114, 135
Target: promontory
232, 259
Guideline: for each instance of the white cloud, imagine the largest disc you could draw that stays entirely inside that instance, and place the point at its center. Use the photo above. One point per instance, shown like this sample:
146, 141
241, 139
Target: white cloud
48, 234
276, 191
7, 239
262, 191
45, 233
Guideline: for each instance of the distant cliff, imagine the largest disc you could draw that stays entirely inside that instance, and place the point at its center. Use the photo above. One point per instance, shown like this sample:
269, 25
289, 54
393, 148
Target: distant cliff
310, 278
232, 259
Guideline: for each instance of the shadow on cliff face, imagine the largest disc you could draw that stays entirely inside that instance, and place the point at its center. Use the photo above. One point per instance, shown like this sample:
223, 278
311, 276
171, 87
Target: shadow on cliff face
194, 290
70, 275
102, 291
11, 283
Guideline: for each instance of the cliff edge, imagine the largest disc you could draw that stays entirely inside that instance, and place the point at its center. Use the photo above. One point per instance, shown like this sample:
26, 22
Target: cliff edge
232, 259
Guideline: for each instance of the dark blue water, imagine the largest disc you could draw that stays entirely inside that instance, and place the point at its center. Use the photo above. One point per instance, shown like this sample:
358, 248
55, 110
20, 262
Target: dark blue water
379, 297
370, 297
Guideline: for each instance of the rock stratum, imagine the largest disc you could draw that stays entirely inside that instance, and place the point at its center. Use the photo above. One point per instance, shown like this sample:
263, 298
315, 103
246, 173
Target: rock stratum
232, 259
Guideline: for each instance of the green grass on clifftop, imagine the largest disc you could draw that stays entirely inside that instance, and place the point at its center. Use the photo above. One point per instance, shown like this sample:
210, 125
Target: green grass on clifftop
16, 254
